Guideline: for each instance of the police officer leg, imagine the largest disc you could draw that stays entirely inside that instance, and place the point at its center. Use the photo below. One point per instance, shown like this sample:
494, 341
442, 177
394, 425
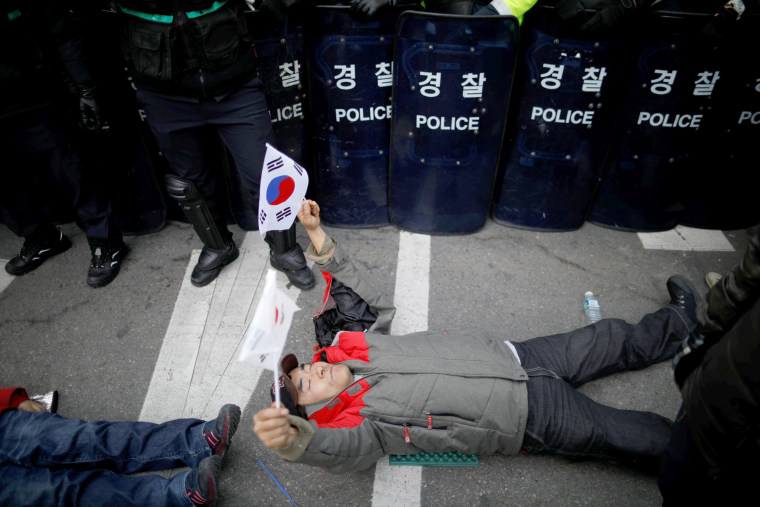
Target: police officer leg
26, 142
218, 247
244, 126
285, 254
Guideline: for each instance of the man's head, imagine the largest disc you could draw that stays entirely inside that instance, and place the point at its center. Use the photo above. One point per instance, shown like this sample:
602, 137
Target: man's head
311, 382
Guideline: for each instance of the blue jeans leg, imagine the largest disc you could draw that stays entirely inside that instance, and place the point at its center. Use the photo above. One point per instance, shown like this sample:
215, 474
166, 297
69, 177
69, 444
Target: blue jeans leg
49, 440
606, 347
564, 421
42, 487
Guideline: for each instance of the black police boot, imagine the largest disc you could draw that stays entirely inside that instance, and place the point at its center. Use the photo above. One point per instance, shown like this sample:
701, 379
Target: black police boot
211, 261
35, 251
107, 257
209, 222
682, 296
286, 255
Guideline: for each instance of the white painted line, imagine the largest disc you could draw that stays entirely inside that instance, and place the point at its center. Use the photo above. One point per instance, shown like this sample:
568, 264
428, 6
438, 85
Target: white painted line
197, 370
686, 238
402, 486
412, 284
5, 278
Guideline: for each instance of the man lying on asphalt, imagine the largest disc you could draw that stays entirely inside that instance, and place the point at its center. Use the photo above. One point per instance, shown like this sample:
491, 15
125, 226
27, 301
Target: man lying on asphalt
369, 394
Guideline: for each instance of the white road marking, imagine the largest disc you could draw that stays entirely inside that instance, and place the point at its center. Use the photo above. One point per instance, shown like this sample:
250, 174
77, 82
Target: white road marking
5, 278
686, 238
402, 485
197, 370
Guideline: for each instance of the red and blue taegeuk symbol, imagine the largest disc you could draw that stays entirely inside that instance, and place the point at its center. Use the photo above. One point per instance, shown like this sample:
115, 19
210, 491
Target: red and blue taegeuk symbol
280, 189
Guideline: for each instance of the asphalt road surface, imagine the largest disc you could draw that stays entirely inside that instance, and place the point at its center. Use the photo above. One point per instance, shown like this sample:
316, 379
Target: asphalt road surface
150, 346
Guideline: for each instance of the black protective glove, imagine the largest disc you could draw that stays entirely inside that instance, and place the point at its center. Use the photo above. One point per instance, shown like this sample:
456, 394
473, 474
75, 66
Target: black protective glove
90, 111
609, 14
364, 9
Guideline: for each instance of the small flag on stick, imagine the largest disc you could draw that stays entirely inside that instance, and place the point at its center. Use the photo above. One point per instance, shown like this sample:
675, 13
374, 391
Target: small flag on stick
266, 335
283, 187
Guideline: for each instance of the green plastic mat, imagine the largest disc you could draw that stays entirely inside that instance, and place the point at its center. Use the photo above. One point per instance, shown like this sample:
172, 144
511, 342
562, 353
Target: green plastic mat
436, 459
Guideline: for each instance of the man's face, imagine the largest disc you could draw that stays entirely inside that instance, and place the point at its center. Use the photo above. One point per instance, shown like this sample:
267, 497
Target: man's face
320, 381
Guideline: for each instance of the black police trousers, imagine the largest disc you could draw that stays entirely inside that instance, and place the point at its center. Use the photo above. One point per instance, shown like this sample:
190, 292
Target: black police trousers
34, 148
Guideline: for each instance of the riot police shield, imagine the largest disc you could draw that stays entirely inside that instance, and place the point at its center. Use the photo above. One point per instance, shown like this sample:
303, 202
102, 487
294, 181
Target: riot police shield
674, 73
559, 126
720, 192
350, 79
452, 83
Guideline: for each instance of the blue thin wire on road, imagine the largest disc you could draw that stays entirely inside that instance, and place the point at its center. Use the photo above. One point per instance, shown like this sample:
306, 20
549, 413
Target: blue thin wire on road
276, 482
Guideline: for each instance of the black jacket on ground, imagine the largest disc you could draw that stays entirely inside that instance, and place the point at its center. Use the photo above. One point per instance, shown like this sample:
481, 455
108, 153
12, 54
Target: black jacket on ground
721, 397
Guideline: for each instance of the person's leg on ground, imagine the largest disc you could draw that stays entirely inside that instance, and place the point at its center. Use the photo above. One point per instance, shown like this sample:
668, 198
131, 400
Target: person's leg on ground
606, 347
37, 486
565, 422
42, 439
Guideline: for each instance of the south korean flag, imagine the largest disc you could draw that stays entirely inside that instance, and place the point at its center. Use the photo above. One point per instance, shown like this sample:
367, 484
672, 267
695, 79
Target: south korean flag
283, 187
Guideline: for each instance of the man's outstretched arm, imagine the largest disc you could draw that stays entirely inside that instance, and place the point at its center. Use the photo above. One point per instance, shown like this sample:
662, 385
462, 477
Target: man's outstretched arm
338, 450
333, 258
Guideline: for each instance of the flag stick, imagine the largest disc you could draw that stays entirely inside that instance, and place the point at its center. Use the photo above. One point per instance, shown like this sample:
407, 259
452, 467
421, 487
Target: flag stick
277, 388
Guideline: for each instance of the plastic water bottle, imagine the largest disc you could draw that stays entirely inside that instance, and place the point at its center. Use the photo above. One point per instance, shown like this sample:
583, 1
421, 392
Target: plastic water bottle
591, 308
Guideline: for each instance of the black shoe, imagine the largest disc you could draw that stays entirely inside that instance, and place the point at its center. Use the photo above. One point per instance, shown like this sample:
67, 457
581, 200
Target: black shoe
201, 484
34, 253
106, 262
211, 262
682, 296
219, 431
293, 264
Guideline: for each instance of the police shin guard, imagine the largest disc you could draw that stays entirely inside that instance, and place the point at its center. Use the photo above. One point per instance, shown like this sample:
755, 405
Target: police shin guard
285, 254
218, 247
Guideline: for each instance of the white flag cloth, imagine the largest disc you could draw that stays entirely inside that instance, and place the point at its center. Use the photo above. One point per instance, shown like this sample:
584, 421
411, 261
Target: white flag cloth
283, 187
265, 337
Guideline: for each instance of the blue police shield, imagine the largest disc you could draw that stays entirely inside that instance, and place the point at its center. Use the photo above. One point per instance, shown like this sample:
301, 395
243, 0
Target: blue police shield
720, 192
452, 84
350, 82
673, 77
559, 127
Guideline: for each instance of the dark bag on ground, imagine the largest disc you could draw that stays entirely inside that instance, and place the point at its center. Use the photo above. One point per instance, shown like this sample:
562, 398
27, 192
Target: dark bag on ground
342, 310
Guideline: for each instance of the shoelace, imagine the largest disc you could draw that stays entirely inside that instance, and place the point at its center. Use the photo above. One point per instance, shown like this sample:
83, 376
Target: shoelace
101, 256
